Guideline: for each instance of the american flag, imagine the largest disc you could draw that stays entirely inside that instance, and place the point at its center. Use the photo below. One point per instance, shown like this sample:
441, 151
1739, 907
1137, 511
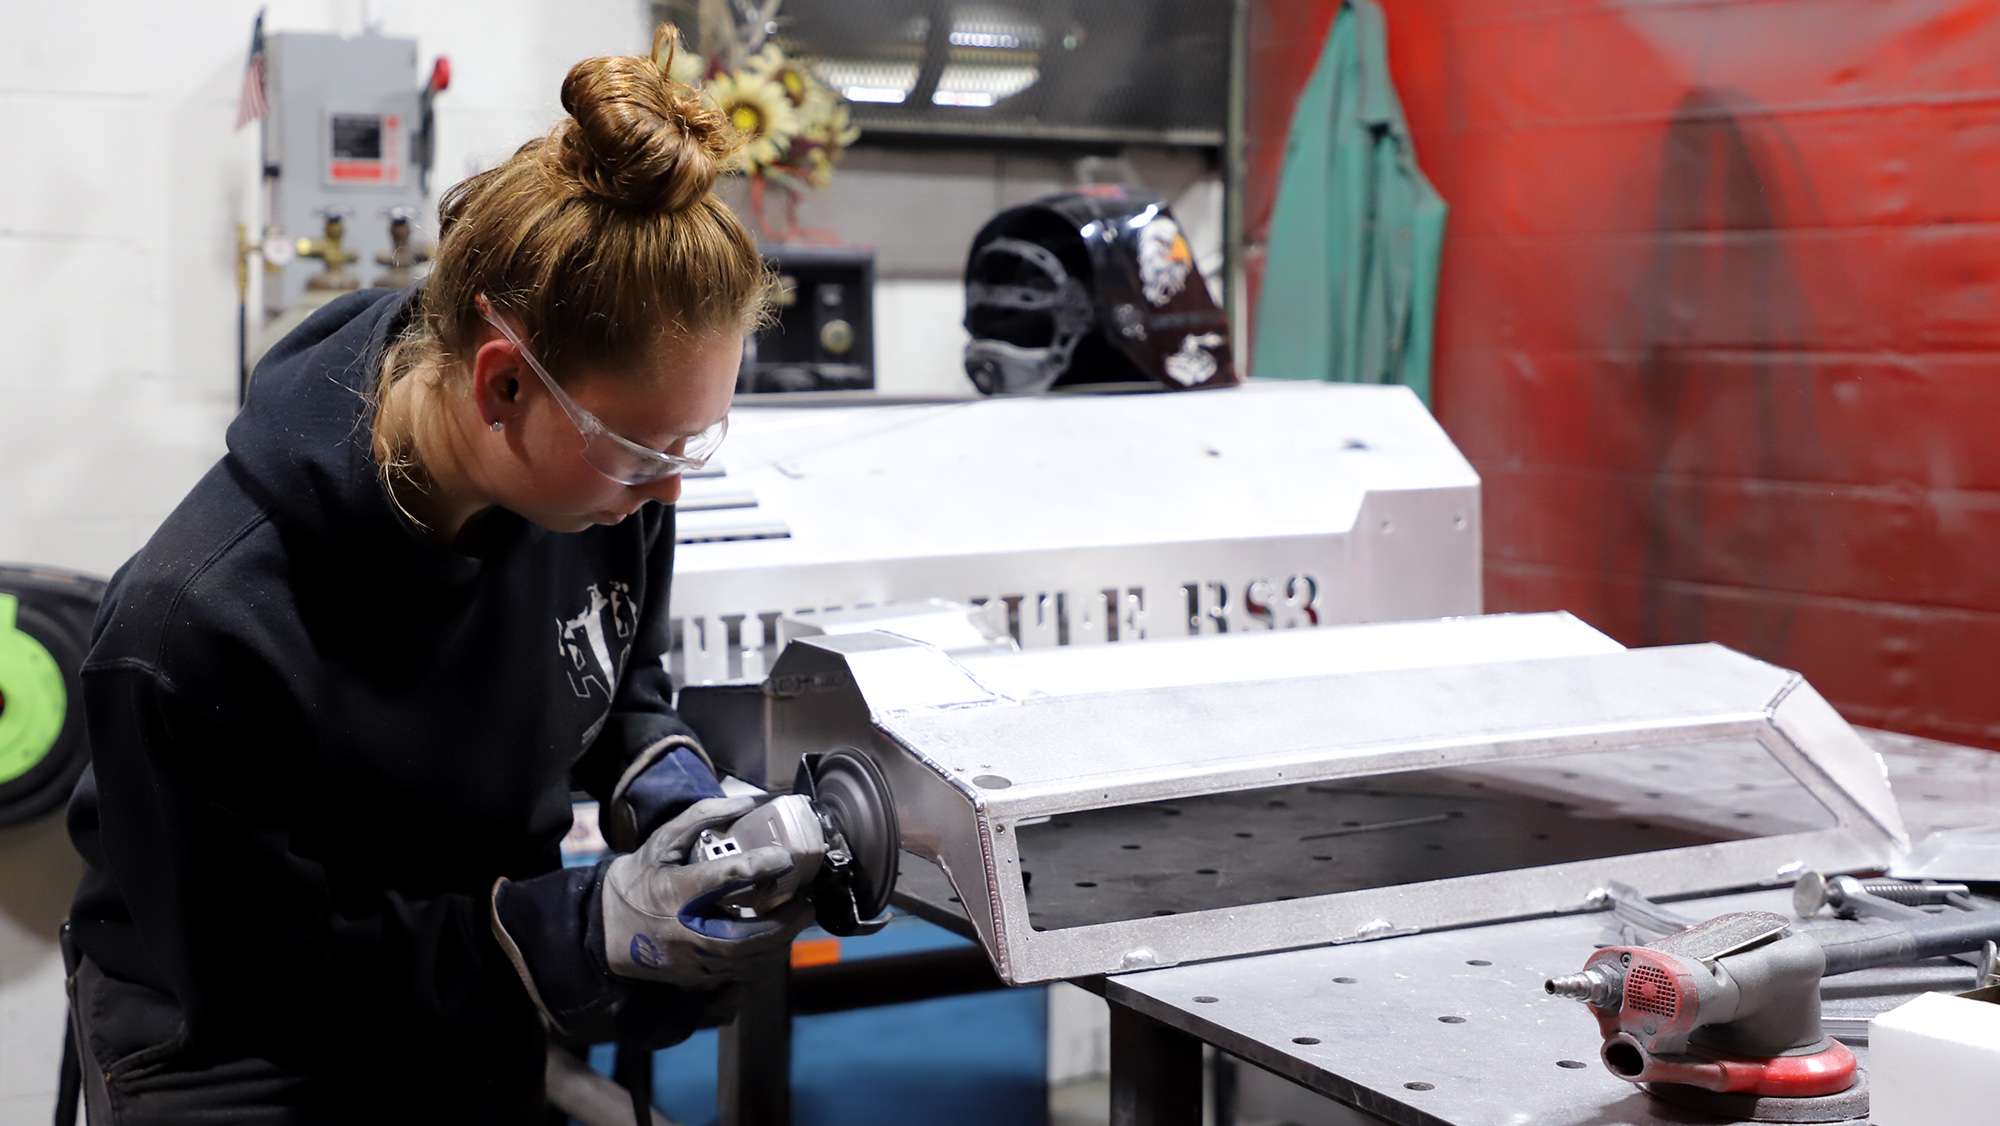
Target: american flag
251, 103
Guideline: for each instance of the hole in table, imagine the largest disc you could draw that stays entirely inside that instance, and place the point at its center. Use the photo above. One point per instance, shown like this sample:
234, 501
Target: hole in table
1451, 1020
1346, 980
1477, 962
1572, 1065
1204, 1000
1308, 1041
1419, 1087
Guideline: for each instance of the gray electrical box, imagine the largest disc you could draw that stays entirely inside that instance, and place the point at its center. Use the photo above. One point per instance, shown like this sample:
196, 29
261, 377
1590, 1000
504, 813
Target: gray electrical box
340, 136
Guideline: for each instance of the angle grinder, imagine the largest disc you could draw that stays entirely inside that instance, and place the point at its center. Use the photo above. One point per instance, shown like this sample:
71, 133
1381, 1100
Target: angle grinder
839, 822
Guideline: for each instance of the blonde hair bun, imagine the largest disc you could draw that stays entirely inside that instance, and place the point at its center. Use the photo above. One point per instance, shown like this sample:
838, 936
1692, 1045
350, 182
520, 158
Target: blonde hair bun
636, 138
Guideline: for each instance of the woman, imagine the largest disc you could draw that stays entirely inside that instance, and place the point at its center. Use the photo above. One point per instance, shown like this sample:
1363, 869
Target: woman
338, 702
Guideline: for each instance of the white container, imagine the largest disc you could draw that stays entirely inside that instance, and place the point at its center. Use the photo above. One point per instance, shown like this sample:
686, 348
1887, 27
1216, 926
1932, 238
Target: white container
1935, 1061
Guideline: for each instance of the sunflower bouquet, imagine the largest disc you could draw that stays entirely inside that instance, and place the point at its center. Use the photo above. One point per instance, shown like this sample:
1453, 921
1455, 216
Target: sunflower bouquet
795, 128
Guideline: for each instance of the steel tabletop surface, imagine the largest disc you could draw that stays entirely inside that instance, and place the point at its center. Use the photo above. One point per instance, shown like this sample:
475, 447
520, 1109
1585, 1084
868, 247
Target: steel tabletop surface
1454, 1027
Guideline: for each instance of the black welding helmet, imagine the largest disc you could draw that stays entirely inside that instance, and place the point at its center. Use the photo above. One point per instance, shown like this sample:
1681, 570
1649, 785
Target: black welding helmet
1093, 286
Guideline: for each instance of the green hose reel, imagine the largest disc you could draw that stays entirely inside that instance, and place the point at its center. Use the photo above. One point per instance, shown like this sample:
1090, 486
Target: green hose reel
45, 619
33, 698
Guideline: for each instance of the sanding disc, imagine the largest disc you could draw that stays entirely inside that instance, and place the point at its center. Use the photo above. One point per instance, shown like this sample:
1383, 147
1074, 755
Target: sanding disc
855, 795
1850, 1105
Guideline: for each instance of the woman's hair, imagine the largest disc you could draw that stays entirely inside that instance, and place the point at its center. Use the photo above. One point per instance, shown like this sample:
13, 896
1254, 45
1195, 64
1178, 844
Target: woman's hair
601, 241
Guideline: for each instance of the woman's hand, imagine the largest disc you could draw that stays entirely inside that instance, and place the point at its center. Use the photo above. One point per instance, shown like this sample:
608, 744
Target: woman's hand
660, 915
582, 939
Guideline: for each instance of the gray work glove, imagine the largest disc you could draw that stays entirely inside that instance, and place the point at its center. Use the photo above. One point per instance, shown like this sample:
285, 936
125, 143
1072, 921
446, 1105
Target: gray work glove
662, 921
583, 939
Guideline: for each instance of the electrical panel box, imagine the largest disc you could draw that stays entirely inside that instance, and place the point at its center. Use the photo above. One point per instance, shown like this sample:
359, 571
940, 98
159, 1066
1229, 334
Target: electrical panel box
345, 113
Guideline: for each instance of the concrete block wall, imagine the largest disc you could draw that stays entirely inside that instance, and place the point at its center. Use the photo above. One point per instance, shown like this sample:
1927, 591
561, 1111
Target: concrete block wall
1717, 319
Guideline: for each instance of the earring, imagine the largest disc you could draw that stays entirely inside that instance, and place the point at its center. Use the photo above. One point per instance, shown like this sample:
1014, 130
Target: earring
498, 426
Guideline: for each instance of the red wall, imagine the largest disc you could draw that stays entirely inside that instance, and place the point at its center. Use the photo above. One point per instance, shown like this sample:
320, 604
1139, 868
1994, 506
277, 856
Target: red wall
1720, 319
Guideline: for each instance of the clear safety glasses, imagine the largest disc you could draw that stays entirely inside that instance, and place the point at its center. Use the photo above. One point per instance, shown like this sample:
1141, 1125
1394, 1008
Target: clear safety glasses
621, 459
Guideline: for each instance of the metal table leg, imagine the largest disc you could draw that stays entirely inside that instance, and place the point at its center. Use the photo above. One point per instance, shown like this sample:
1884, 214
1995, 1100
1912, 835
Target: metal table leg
754, 1057
755, 1063
1222, 1091
1155, 1072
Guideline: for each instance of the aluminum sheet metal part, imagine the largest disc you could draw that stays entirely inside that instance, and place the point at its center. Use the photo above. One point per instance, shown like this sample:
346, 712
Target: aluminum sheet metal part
1453, 747
1077, 519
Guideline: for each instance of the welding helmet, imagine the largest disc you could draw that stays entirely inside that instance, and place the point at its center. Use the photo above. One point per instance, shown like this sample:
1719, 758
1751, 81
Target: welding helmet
1096, 285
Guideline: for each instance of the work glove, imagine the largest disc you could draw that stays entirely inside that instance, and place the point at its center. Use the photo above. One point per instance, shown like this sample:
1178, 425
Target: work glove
661, 782
584, 941
662, 918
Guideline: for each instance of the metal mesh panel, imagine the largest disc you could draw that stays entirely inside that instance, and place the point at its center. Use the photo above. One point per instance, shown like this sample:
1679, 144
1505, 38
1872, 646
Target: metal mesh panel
1134, 70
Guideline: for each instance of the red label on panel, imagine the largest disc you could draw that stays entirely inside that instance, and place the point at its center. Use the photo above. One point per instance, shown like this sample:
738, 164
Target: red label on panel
355, 171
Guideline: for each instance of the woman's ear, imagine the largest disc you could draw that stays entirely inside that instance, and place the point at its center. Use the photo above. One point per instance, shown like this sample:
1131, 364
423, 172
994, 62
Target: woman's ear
496, 381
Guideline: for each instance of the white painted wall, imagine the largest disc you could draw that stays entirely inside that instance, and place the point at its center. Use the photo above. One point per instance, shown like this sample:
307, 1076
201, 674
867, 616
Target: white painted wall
123, 182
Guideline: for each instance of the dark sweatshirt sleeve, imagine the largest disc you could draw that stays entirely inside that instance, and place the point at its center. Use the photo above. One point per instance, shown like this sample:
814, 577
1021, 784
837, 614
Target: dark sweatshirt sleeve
642, 726
245, 931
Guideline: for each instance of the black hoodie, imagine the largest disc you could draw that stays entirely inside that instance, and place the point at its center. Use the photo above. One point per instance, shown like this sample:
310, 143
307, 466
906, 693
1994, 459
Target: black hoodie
319, 738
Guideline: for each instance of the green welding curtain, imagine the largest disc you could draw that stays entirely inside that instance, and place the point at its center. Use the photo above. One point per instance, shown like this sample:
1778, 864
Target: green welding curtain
1350, 278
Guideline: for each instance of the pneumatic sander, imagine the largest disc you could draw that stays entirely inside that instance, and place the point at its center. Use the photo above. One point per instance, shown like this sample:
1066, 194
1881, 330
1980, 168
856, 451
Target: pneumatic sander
1724, 1016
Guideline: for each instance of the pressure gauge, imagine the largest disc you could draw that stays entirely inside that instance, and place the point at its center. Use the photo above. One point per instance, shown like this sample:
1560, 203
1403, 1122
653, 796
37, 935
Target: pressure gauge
276, 248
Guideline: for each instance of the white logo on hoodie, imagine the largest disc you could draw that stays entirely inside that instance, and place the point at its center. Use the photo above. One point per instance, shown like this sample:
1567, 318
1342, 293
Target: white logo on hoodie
586, 643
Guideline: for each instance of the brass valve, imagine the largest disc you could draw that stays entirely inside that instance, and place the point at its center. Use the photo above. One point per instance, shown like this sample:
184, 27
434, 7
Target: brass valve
404, 255
329, 248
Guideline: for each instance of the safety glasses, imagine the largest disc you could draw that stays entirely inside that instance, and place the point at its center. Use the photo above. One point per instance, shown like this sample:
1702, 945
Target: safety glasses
621, 459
